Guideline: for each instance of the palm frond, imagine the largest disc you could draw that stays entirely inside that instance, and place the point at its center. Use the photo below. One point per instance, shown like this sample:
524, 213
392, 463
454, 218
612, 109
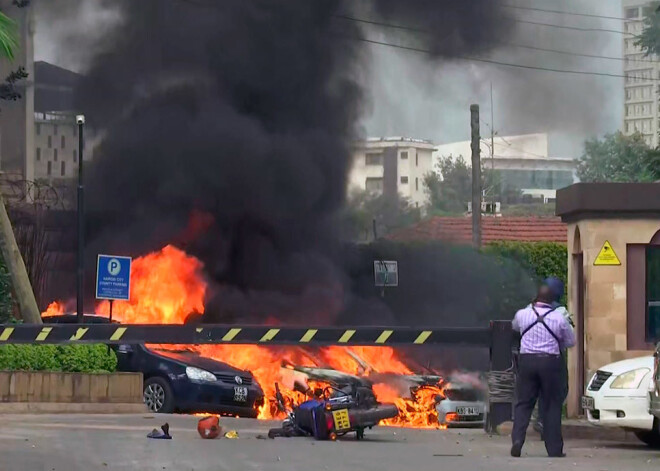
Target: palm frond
8, 37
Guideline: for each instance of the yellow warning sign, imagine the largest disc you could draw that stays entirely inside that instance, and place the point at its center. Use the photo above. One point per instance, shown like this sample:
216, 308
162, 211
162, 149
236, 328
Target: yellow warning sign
607, 256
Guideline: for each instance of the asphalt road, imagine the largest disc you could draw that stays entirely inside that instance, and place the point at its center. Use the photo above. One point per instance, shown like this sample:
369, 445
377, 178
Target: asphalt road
112, 442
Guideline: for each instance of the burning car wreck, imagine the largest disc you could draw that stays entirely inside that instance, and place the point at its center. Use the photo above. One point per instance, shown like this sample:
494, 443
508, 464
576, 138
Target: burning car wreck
169, 288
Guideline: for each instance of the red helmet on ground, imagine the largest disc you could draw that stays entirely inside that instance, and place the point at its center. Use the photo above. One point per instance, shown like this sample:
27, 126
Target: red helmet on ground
209, 427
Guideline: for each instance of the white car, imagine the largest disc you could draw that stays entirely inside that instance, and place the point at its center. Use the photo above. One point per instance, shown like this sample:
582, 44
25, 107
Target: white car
463, 405
617, 396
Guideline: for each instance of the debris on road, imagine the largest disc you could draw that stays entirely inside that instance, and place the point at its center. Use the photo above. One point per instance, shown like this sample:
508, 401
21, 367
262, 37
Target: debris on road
233, 434
209, 427
162, 434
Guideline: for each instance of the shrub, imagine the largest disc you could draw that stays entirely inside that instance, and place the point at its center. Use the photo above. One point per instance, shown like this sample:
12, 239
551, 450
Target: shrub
68, 358
541, 259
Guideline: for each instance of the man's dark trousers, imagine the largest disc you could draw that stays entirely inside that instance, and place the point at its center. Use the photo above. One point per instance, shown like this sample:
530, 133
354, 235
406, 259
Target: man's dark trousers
540, 375
564, 379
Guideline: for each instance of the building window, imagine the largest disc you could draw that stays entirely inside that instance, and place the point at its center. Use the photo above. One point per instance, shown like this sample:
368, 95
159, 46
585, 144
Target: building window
50, 168
63, 170
38, 129
55, 155
75, 155
373, 159
416, 184
652, 293
404, 155
374, 185
404, 180
55, 130
50, 142
38, 154
63, 142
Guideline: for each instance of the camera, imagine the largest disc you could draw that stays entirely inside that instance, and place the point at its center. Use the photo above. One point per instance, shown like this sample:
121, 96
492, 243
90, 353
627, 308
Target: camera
80, 119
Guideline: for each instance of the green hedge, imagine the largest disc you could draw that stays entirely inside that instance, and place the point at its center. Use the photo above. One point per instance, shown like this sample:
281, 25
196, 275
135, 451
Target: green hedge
68, 358
541, 259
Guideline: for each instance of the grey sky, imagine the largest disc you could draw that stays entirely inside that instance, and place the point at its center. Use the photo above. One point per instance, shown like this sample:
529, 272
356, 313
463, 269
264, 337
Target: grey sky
414, 96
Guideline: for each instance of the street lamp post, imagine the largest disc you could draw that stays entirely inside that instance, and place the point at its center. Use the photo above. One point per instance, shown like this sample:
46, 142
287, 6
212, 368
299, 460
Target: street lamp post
80, 121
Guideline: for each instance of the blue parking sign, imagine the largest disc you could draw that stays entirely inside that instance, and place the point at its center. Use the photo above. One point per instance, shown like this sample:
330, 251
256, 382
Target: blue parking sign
113, 277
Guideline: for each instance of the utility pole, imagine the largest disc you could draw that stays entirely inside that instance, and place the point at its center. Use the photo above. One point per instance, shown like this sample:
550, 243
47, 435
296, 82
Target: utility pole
27, 304
492, 150
80, 301
476, 176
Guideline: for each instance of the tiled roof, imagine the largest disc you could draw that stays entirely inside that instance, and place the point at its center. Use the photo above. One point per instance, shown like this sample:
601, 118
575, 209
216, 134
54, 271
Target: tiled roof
459, 229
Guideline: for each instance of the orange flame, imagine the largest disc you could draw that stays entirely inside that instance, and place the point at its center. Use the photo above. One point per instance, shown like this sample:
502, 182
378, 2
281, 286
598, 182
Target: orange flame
167, 286
55, 308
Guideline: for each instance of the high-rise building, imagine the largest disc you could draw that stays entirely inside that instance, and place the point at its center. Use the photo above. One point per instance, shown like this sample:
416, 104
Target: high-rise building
56, 132
642, 96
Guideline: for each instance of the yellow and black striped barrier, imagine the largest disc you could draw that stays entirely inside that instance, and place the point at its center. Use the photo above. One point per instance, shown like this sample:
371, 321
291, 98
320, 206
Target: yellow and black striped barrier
219, 334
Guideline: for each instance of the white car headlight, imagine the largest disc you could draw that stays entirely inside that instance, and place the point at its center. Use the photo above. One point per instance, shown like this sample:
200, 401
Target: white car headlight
197, 374
630, 379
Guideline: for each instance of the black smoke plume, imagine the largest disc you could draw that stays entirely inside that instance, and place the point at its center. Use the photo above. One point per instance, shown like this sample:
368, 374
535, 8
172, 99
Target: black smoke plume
240, 114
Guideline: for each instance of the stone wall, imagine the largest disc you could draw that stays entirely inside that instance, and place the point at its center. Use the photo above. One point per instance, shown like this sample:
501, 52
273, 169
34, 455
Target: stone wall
119, 392
605, 295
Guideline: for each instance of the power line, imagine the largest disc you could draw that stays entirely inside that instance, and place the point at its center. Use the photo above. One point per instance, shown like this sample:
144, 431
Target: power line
505, 64
523, 46
576, 28
421, 30
561, 12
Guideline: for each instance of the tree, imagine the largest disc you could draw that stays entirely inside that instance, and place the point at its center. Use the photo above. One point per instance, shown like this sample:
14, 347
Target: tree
364, 208
8, 37
619, 158
649, 39
9, 43
449, 187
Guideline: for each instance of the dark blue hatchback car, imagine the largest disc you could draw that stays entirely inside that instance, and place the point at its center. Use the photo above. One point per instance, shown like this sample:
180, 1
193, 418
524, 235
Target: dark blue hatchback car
183, 381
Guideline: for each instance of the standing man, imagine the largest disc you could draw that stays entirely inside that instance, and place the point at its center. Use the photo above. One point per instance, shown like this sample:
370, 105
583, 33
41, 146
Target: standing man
544, 332
557, 287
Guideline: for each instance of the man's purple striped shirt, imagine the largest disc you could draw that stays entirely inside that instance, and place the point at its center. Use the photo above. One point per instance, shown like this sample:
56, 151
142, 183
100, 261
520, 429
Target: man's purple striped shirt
538, 339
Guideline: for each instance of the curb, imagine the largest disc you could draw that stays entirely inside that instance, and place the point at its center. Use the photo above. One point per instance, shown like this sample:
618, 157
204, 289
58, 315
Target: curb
585, 431
576, 430
71, 408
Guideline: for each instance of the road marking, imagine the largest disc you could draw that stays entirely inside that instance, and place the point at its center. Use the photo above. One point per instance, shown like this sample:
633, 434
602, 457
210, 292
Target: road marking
43, 335
118, 333
229, 336
6, 333
346, 336
309, 335
422, 337
270, 335
79, 333
382, 338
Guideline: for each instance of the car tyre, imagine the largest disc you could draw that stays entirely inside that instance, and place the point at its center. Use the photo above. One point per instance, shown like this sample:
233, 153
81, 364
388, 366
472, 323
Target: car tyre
158, 395
651, 437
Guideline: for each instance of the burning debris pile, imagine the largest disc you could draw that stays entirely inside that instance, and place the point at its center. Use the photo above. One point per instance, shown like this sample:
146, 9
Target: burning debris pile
168, 288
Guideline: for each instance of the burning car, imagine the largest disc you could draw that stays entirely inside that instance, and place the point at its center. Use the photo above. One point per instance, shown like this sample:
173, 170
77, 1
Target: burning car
460, 405
182, 380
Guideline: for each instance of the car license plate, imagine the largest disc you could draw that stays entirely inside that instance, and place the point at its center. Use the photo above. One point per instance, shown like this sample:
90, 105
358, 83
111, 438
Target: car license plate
467, 410
240, 394
341, 418
588, 403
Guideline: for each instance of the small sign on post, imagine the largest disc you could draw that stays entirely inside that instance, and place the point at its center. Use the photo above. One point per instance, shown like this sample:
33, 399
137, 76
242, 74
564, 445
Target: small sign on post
386, 273
113, 278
